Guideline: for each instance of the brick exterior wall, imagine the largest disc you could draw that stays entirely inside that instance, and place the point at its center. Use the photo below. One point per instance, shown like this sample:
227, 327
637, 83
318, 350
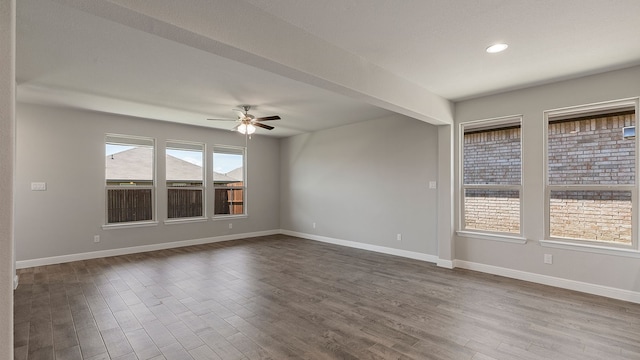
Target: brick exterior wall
581, 151
492, 157
591, 151
603, 216
483, 207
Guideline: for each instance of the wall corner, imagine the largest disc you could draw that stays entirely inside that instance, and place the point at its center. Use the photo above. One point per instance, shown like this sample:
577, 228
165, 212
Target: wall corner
445, 228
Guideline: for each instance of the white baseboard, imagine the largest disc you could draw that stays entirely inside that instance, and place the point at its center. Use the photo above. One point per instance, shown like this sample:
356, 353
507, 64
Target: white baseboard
606, 291
445, 263
363, 246
136, 249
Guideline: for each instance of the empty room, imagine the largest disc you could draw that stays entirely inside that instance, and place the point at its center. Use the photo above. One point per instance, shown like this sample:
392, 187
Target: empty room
319, 179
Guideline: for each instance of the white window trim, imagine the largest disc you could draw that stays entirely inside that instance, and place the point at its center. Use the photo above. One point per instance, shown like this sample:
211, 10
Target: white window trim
516, 238
592, 248
132, 224
153, 187
491, 236
186, 220
229, 216
244, 187
203, 187
580, 244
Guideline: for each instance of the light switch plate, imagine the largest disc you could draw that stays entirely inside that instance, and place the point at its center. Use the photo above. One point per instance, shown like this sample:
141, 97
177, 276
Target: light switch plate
433, 185
38, 186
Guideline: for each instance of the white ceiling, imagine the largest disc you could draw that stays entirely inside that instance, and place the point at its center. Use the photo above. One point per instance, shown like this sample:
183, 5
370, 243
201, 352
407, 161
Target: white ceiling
146, 62
439, 44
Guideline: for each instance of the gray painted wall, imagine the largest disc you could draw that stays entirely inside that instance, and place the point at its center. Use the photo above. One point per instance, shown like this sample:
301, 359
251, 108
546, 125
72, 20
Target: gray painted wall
65, 149
607, 270
7, 154
364, 182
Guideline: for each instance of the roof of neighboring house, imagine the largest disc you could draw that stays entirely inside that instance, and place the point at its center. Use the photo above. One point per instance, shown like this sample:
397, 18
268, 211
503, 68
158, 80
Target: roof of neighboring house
217, 177
237, 174
135, 164
132, 164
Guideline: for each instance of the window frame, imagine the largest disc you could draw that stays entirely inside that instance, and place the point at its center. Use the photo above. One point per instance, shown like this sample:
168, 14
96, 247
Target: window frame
134, 140
463, 231
567, 113
188, 145
244, 187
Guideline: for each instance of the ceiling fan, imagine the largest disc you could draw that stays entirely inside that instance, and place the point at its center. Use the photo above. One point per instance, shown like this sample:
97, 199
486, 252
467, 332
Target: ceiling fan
247, 123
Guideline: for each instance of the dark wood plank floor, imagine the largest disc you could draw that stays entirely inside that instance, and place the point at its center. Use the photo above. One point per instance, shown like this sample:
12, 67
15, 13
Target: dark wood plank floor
279, 297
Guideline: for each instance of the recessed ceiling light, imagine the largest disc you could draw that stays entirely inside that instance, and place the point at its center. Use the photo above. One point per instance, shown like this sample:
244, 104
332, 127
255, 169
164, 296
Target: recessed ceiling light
496, 48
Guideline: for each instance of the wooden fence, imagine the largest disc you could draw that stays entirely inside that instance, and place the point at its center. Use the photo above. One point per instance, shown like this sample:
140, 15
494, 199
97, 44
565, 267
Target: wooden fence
126, 205
229, 201
183, 203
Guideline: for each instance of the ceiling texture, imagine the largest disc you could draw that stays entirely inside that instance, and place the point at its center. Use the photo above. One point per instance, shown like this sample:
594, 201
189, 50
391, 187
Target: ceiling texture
317, 64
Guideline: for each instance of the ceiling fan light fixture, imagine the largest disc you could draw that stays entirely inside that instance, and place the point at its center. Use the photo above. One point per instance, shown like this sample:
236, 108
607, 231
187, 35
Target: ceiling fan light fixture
496, 48
246, 129
246, 123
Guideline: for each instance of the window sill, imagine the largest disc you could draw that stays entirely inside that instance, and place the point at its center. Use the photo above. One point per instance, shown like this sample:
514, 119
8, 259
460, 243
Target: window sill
185, 220
227, 217
598, 249
513, 239
129, 225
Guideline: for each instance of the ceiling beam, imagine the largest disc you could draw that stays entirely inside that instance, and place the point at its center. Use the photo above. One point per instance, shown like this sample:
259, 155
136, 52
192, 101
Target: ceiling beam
241, 32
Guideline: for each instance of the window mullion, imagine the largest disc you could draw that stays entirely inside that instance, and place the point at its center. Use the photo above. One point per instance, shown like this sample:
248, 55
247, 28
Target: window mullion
492, 186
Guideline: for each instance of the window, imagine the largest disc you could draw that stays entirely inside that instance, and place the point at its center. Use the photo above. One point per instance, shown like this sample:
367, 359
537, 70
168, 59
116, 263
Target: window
591, 172
491, 176
129, 170
229, 180
185, 179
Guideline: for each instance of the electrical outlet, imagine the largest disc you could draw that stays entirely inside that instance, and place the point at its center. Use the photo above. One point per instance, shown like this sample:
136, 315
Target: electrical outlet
230, 226
399, 237
96, 238
314, 225
433, 185
548, 259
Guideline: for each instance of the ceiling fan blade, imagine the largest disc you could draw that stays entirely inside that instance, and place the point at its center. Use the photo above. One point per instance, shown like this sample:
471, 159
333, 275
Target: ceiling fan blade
223, 119
263, 126
235, 128
267, 118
